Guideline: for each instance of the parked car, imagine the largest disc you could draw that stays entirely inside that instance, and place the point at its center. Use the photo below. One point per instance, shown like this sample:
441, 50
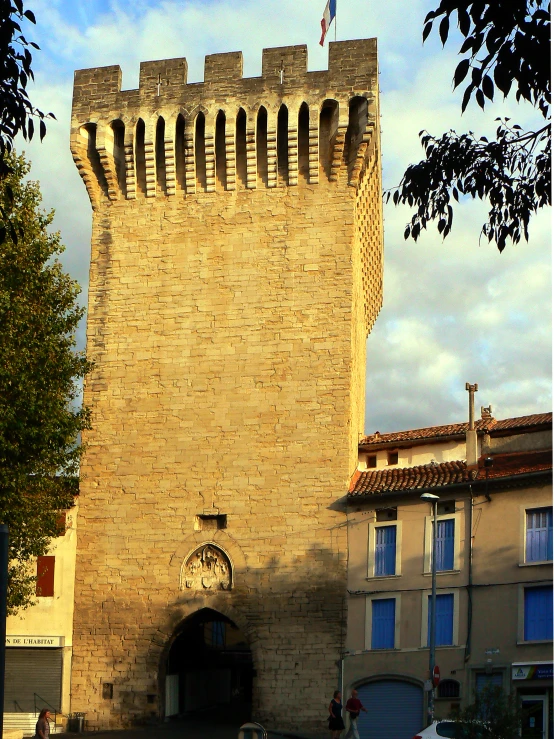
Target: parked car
455, 730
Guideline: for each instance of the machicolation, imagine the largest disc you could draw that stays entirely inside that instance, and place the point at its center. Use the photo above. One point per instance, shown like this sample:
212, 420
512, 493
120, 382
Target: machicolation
285, 128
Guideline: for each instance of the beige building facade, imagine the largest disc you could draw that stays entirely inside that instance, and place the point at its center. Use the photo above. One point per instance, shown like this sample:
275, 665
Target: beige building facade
494, 579
236, 272
39, 639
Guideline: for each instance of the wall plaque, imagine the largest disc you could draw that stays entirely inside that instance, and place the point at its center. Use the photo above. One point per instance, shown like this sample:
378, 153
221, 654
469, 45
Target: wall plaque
207, 568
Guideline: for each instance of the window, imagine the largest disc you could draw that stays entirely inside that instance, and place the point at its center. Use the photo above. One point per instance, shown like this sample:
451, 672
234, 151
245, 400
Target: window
392, 458
444, 620
385, 551
448, 542
537, 618
371, 460
482, 681
445, 545
45, 577
449, 689
538, 535
383, 623
446, 506
386, 514
385, 545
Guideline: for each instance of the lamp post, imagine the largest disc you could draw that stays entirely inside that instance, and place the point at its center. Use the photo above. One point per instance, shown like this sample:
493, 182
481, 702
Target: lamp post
433, 499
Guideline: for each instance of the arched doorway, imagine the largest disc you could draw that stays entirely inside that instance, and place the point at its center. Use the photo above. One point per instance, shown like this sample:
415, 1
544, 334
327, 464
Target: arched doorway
209, 668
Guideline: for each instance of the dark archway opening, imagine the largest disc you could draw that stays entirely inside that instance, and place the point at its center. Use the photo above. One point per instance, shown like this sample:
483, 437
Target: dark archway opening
209, 670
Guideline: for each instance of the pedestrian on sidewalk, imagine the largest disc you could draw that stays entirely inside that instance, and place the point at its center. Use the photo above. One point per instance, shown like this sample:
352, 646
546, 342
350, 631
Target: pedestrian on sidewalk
42, 730
353, 707
336, 724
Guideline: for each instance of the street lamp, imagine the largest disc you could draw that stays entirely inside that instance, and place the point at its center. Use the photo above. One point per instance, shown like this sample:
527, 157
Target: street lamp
430, 498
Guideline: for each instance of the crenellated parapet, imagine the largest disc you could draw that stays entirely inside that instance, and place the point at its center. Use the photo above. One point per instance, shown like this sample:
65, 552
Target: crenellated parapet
169, 138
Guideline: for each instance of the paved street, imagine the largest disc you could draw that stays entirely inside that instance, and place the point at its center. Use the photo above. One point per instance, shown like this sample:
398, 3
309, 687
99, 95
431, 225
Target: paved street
186, 729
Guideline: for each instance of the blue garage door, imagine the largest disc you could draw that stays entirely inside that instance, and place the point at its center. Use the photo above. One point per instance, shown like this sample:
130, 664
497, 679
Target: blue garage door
394, 710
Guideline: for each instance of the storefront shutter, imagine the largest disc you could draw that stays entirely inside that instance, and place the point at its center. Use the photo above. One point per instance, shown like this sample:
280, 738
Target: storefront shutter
33, 680
394, 710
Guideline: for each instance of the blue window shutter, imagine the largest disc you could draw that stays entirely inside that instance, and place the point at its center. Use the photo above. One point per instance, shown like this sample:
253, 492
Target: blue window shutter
382, 623
538, 613
538, 544
445, 545
483, 681
444, 620
385, 550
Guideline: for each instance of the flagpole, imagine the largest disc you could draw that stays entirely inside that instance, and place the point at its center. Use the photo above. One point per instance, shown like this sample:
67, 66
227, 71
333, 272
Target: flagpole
335, 21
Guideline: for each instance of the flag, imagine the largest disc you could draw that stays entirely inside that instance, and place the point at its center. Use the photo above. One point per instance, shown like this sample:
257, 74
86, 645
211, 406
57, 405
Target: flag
328, 17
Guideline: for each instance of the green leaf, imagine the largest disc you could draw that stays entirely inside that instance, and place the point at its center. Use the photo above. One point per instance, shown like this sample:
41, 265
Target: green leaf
461, 72
480, 98
443, 29
427, 30
488, 87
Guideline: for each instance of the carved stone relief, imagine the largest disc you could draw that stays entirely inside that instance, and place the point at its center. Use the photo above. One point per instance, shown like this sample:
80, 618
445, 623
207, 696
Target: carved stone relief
208, 568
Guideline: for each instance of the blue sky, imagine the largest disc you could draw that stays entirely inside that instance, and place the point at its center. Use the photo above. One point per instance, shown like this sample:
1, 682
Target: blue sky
454, 311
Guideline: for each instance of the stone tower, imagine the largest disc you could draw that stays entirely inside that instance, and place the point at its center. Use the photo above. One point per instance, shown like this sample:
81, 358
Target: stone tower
236, 272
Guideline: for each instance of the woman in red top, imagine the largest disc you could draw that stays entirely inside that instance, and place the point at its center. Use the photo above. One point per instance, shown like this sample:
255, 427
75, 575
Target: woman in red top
354, 706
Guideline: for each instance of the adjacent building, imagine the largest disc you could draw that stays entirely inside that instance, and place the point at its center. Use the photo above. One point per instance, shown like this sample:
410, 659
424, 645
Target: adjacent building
39, 639
494, 571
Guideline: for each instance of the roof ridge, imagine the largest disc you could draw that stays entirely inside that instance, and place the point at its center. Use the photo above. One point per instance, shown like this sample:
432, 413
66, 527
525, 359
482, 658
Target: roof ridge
448, 429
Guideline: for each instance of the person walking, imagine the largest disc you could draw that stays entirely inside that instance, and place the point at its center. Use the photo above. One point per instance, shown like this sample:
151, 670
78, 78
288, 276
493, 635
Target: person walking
336, 724
42, 729
354, 706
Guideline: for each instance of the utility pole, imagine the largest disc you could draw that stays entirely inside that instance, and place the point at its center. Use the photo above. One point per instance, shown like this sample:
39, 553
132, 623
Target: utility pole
433, 499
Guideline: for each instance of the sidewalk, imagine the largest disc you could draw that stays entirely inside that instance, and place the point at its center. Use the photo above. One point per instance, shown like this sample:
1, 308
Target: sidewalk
186, 729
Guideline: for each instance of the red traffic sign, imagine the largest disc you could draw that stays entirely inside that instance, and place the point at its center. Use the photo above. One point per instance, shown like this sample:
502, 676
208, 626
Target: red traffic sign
436, 675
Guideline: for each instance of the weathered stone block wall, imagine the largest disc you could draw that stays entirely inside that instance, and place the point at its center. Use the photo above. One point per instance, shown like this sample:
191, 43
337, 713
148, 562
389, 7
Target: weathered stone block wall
227, 326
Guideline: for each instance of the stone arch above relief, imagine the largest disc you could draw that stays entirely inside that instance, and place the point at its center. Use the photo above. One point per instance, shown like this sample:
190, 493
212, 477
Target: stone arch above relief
207, 568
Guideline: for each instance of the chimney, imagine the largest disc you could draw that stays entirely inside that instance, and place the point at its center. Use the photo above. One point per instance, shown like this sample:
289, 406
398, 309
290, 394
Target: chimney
471, 434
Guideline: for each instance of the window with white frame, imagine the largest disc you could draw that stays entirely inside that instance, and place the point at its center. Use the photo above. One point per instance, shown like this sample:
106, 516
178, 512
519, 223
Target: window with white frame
446, 618
448, 543
382, 621
537, 613
385, 541
538, 534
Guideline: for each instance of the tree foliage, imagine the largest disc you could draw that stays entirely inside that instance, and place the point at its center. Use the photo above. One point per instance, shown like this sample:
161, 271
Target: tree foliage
494, 715
40, 417
17, 113
506, 48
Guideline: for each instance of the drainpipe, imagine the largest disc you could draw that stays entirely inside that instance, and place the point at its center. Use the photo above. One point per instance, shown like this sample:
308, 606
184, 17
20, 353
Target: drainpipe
467, 653
471, 434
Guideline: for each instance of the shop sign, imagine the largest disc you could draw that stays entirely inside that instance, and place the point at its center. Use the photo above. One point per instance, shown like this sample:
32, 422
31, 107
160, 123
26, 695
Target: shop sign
34, 641
532, 672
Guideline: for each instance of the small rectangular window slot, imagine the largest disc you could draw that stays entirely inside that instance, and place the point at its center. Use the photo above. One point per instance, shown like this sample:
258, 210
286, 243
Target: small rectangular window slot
107, 691
371, 461
446, 506
387, 514
392, 458
210, 523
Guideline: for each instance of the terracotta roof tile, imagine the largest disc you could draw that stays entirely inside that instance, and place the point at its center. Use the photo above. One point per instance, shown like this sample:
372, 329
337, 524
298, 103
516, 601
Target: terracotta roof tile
455, 429
398, 479
409, 478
